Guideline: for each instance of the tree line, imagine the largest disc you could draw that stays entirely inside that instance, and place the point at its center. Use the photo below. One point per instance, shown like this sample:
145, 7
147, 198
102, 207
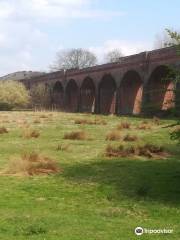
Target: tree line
79, 58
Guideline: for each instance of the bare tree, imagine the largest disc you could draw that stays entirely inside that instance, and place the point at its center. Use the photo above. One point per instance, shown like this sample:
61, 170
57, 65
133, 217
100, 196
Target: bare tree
74, 59
113, 56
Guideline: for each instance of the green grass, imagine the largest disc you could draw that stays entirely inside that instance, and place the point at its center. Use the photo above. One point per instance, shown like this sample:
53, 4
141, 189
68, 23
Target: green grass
95, 198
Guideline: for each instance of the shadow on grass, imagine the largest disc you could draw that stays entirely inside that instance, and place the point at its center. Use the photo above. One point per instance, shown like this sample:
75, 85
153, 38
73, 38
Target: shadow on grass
152, 180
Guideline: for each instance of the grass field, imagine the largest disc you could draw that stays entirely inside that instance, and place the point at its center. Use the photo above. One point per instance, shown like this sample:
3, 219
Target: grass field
94, 197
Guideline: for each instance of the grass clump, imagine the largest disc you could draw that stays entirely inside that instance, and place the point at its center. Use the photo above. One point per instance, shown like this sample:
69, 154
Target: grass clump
147, 150
31, 133
90, 122
156, 121
83, 121
113, 136
37, 121
130, 138
76, 135
124, 125
3, 130
62, 147
112, 151
30, 164
143, 126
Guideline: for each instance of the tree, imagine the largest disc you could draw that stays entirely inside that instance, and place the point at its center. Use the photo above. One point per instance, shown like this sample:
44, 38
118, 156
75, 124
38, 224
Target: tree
13, 94
165, 39
40, 95
74, 59
113, 56
175, 36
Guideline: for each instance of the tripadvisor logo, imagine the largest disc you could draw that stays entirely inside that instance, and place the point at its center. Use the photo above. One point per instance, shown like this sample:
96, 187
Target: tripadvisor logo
139, 231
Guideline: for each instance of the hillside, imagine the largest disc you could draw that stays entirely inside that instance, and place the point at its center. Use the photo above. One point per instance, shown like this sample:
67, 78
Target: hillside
20, 75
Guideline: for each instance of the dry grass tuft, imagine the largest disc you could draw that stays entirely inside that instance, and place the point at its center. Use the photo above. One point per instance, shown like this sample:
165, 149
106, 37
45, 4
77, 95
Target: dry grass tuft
156, 121
143, 126
112, 151
30, 133
83, 121
99, 121
130, 138
77, 135
43, 116
3, 130
90, 122
147, 150
124, 125
37, 121
31, 164
150, 150
62, 147
113, 136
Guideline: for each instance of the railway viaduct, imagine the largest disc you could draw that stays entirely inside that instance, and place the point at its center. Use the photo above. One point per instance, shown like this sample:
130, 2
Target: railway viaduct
114, 88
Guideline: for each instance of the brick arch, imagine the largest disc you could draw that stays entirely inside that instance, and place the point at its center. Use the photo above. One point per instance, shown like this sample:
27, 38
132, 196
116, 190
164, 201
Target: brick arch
130, 93
58, 95
87, 95
107, 95
160, 89
72, 96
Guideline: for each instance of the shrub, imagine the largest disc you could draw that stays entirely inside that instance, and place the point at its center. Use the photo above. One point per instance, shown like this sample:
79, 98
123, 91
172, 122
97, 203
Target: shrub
4, 106
77, 135
13, 95
30, 164
113, 136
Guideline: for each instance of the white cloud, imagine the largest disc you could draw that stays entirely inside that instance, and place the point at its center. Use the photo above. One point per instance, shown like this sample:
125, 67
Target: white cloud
5, 10
126, 47
24, 43
44, 10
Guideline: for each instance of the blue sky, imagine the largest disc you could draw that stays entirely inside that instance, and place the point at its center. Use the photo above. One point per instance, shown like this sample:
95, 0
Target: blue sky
32, 31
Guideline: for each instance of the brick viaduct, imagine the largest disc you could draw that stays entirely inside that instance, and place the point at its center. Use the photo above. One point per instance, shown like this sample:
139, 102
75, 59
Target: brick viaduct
114, 88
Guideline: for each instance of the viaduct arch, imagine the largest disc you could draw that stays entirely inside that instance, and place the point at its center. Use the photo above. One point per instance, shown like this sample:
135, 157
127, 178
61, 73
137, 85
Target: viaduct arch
130, 93
87, 96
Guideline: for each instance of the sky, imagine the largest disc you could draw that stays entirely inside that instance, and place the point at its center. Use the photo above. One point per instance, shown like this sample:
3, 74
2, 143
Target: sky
33, 31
